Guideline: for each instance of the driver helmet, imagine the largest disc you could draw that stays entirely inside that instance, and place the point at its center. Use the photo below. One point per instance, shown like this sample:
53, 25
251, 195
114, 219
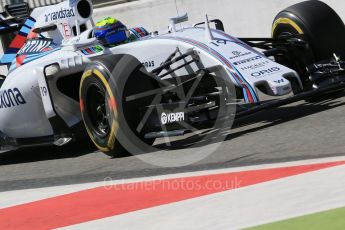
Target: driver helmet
111, 32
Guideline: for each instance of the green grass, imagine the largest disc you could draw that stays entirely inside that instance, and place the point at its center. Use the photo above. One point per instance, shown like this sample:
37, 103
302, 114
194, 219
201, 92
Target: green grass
328, 220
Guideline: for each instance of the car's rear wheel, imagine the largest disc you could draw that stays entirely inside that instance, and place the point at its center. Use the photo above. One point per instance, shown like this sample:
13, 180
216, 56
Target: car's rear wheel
319, 25
110, 121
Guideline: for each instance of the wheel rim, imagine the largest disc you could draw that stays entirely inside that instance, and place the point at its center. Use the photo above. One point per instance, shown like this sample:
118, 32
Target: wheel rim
96, 106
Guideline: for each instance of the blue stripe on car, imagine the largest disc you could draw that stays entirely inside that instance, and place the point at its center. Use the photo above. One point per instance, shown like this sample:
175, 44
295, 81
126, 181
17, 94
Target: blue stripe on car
237, 76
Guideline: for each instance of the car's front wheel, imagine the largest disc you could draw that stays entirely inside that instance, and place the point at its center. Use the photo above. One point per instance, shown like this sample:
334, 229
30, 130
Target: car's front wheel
317, 24
111, 121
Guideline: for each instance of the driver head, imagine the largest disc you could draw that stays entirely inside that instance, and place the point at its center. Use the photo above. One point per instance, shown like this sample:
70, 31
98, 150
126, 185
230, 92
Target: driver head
111, 32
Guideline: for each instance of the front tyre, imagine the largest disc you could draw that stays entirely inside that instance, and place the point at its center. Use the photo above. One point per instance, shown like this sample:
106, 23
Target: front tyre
97, 100
317, 24
111, 120
320, 25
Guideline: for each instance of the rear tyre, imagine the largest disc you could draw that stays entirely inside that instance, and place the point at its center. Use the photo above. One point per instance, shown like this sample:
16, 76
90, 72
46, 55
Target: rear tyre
319, 25
110, 121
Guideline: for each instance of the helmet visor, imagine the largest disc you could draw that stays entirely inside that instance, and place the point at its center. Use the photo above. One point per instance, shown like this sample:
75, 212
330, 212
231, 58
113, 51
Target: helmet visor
114, 38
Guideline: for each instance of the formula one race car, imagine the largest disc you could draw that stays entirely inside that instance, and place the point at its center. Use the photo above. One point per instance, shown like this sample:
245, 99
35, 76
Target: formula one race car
63, 82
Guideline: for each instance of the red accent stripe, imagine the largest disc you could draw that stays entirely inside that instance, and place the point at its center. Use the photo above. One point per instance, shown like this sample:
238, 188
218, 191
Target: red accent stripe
250, 97
18, 42
89, 51
112, 104
139, 31
20, 59
47, 49
100, 202
32, 35
81, 103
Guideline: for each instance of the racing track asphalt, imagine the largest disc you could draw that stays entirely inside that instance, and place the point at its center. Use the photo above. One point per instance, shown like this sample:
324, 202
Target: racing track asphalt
298, 131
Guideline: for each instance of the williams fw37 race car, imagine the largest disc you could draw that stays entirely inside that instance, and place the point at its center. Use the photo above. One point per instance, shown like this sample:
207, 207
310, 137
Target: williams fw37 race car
65, 83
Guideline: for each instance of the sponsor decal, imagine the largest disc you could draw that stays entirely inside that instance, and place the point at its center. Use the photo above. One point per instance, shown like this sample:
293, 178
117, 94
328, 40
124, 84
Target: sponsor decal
36, 46
61, 14
255, 66
265, 72
44, 91
10, 98
171, 117
220, 42
279, 81
238, 54
148, 64
248, 60
92, 50
67, 31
